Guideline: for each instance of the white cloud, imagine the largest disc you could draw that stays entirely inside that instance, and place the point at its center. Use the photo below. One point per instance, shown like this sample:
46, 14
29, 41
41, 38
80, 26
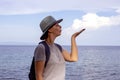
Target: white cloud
94, 21
90, 21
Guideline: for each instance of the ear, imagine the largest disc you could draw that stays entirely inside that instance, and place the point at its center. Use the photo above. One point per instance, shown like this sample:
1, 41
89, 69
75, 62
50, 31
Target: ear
50, 30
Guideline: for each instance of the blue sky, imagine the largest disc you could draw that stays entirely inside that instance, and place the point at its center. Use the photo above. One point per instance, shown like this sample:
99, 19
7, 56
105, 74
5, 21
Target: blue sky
19, 21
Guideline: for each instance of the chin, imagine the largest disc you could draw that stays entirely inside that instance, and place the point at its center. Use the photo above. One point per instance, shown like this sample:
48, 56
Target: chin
59, 34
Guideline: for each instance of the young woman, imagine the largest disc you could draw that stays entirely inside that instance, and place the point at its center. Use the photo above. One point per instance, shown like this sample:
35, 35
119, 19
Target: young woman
55, 69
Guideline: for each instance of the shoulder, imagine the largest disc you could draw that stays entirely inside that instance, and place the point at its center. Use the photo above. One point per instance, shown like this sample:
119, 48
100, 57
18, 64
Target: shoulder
59, 46
39, 47
41, 44
39, 53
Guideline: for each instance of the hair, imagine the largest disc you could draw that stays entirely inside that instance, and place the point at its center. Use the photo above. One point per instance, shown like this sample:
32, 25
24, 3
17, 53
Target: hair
45, 35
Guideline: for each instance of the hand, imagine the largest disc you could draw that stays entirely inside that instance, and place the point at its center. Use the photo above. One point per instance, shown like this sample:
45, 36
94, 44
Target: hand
77, 33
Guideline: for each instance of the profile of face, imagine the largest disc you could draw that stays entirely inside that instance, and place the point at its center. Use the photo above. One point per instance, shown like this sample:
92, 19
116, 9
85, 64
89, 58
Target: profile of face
55, 30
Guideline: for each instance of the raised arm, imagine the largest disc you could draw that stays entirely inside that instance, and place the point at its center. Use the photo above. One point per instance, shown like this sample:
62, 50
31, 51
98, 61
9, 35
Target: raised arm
73, 55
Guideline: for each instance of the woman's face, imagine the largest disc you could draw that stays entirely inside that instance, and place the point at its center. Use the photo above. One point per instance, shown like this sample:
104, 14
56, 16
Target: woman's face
56, 30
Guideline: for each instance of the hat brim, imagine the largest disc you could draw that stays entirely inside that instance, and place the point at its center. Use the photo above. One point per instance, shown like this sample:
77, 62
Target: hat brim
58, 21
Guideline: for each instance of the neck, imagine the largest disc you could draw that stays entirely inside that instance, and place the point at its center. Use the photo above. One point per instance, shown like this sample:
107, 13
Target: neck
50, 40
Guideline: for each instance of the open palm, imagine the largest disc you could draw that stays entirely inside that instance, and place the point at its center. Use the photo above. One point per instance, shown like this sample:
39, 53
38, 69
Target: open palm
77, 33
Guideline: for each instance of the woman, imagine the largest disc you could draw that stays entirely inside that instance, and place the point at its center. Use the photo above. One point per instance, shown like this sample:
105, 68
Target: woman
55, 69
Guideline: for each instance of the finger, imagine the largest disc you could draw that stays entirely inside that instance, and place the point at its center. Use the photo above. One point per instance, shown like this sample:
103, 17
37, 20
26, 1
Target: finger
82, 30
77, 33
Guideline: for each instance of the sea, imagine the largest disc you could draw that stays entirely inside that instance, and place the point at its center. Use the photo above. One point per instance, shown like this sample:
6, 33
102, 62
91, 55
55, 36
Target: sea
95, 63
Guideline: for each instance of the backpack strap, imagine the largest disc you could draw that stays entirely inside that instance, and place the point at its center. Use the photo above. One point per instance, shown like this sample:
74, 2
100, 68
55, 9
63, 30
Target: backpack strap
47, 51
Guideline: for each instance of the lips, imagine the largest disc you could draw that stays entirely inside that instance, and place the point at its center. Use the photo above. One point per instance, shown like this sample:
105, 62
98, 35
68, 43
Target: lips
60, 31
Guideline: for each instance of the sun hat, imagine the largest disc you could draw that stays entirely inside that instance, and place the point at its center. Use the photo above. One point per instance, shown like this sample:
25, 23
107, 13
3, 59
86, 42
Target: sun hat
47, 23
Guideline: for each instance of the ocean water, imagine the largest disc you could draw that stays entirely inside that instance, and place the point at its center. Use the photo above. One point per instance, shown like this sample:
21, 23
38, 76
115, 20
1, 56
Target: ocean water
95, 63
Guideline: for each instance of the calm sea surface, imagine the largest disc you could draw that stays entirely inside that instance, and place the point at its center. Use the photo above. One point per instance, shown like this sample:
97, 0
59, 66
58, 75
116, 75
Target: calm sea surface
95, 63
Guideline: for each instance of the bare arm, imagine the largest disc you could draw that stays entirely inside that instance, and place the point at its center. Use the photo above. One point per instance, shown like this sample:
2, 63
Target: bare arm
73, 56
39, 66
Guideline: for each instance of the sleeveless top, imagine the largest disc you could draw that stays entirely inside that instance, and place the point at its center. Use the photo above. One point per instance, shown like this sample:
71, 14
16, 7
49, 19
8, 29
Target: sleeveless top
55, 69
